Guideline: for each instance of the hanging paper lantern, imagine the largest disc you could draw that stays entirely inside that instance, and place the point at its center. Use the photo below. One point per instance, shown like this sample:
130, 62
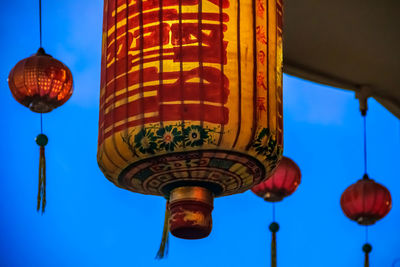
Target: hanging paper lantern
42, 84
191, 101
366, 201
282, 183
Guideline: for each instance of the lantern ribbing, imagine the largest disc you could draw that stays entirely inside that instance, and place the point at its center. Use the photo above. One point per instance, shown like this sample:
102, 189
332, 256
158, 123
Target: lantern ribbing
190, 101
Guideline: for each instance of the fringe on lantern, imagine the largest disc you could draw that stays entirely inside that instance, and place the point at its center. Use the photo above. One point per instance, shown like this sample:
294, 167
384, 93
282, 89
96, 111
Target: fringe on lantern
367, 248
366, 262
164, 246
41, 198
273, 250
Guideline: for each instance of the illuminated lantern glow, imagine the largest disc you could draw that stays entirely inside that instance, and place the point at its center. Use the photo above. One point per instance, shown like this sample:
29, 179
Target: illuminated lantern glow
190, 101
41, 82
366, 201
282, 183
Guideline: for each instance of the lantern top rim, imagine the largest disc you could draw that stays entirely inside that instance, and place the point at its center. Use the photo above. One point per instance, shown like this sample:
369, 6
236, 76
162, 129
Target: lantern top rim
41, 52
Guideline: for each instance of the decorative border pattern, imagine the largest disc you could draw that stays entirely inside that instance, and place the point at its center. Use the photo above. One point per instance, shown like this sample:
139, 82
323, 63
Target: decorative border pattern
152, 139
231, 171
165, 162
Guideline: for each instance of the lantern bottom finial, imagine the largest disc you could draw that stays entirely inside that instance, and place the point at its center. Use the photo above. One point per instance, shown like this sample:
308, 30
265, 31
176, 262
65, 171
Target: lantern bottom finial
273, 197
190, 208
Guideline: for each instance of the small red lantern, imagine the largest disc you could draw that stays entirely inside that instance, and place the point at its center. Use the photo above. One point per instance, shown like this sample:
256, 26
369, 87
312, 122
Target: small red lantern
366, 201
40, 82
282, 183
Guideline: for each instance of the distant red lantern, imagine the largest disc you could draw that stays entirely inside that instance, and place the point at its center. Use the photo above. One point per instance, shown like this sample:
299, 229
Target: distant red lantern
40, 82
366, 201
282, 183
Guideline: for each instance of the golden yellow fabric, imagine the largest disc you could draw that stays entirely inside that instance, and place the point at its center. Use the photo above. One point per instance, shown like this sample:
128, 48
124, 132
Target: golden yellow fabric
191, 90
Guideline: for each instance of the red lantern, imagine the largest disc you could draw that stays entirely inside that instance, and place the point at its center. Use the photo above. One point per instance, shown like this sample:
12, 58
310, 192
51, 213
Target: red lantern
366, 201
282, 183
41, 83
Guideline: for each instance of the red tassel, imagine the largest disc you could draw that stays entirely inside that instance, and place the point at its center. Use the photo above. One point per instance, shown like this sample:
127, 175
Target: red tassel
41, 198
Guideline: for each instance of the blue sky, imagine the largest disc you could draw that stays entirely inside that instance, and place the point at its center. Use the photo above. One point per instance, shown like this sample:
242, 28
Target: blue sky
90, 222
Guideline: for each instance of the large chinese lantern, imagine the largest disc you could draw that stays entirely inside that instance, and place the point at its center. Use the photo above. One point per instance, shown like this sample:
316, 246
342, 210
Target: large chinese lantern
191, 101
366, 201
282, 183
41, 83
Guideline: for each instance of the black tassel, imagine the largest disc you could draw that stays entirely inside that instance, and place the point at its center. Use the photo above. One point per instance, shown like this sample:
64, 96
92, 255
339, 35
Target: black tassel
367, 248
273, 227
42, 140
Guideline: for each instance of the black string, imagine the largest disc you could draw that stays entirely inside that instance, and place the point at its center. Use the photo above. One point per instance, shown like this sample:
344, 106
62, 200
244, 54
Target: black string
365, 144
273, 212
41, 123
40, 21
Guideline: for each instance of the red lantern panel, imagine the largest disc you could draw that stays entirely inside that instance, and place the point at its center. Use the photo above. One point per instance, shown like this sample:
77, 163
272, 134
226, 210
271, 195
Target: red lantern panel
41, 82
282, 183
366, 201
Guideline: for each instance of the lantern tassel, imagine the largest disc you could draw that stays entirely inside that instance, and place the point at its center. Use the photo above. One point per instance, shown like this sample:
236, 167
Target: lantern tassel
41, 198
366, 262
273, 227
367, 248
164, 245
273, 250
42, 141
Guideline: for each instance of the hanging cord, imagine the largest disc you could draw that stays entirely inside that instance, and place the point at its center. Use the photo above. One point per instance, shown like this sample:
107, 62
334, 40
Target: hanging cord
273, 227
41, 123
365, 141
164, 245
273, 211
40, 21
